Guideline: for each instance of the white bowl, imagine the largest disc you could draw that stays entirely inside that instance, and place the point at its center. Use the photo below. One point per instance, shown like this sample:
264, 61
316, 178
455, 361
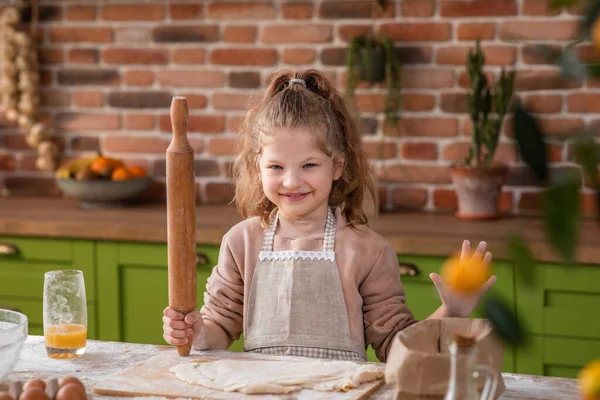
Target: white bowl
13, 333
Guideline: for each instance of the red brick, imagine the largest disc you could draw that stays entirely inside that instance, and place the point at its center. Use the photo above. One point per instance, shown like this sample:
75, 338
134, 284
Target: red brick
231, 101
457, 151
222, 146
494, 55
132, 12
138, 77
583, 102
530, 54
417, 174
198, 78
83, 56
427, 78
235, 10
417, 8
196, 123
189, 56
133, 34
418, 31
530, 201
85, 143
468, 9
419, 151
243, 56
7, 162
589, 203
240, 34
349, 32
135, 144
54, 97
473, 30
429, 127
218, 192
195, 101
370, 102
81, 13
409, 198
560, 126
186, 34
309, 33
185, 11
80, 35
234, 122
298, 56
360, 9
138, 122
523, 30
538, 8
297, 10
51, 55
543, 103
380, 150
88, 98
128, 56
92, 122
454, 102
244, 79
542, 80
463, 78
417, 102
447, 199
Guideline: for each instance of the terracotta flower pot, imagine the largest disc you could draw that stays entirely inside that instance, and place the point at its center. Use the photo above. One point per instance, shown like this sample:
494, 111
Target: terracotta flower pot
478, 190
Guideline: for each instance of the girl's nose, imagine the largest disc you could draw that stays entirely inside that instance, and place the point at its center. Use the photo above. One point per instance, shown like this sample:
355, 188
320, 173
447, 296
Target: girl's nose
291, 179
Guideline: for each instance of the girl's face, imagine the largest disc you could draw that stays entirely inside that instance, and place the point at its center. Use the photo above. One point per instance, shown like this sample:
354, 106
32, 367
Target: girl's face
296, 175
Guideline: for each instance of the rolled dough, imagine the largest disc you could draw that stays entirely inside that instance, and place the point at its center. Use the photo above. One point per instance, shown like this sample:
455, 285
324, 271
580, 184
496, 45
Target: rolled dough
275, 377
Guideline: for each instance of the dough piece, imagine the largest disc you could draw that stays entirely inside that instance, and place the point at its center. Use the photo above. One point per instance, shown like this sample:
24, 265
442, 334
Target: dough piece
276, 377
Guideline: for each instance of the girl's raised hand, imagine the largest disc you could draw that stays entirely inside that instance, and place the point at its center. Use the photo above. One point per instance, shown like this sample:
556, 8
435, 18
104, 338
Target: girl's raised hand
459, 305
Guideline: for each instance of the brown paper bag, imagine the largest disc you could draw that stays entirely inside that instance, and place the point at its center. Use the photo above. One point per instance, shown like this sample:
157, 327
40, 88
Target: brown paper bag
419, 362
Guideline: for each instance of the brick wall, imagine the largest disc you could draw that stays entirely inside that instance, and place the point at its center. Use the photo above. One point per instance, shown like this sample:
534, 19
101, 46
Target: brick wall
110, 69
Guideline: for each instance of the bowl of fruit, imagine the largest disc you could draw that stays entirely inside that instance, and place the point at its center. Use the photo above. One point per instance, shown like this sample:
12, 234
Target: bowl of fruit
101, 181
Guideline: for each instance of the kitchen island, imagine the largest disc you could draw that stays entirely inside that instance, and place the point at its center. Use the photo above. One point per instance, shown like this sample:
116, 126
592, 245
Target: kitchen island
104, 359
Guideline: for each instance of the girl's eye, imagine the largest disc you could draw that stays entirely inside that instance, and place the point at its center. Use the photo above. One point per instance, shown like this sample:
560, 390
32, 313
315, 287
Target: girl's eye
310, 165
275, 167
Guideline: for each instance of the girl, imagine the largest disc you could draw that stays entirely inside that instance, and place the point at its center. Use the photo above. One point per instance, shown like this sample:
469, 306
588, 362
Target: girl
304, 275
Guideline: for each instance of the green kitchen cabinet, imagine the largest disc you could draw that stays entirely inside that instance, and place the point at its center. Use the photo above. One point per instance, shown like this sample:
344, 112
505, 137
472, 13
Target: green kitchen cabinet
23, 263
133, 289
422, 297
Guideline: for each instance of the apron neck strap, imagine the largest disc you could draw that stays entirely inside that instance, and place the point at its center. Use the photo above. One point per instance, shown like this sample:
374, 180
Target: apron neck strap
328, 238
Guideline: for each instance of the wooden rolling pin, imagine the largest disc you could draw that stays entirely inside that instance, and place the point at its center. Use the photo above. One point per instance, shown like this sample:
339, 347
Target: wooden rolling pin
181, 216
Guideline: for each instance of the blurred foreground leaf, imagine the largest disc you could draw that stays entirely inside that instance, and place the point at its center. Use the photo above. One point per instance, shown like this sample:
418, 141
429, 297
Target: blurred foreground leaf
590, 14
561, 206
530, 141
522, 257
505, 322
586, 154
570, 65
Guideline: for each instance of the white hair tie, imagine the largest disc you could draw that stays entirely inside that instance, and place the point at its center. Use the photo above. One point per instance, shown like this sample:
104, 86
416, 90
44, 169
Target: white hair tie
296, 80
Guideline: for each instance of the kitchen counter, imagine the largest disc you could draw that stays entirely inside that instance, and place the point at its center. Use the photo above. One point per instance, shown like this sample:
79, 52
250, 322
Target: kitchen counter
419, 233
103, 359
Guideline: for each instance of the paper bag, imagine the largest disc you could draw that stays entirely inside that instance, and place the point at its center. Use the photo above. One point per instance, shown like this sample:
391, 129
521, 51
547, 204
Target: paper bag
419, 361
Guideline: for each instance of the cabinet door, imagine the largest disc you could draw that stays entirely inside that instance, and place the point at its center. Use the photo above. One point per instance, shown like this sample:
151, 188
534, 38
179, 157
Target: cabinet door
133, 287
23, 263
422, 297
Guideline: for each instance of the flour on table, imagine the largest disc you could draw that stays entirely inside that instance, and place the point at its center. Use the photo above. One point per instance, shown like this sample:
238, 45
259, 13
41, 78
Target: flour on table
274, 377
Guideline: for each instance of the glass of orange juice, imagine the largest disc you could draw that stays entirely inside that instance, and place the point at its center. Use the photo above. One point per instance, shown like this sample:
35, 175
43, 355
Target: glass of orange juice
65, 314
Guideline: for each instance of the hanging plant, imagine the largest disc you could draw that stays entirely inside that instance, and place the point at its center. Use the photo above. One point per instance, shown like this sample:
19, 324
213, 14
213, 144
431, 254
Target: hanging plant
20, 80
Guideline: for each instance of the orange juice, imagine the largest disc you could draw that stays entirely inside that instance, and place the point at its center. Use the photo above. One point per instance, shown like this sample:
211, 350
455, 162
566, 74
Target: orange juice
66, 340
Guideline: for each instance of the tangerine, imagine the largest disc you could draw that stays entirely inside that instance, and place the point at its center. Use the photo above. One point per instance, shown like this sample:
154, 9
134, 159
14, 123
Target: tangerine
465, 276
589, 381
137, 171
102, 166
120, 174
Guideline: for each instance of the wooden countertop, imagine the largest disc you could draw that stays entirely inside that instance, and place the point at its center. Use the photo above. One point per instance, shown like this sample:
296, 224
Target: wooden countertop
104, 359
417, 233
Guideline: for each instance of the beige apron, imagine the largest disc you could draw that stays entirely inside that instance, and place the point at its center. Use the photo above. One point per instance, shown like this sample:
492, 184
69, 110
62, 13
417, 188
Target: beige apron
296, 305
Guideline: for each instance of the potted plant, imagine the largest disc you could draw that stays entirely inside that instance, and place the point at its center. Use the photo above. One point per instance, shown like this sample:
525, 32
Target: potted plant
478, 179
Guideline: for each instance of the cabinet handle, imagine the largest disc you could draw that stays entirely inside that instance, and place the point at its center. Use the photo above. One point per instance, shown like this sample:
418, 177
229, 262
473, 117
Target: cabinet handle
409, 269
8, 249
201, 258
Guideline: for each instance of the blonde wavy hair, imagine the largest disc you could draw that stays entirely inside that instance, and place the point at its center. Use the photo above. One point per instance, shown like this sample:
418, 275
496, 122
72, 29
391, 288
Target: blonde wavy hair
319, 108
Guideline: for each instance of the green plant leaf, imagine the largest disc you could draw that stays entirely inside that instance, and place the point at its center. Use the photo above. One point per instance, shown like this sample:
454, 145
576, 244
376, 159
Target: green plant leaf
586, 154
522, 257
554, 4
530, 141
561, 206
505, 322
593, 70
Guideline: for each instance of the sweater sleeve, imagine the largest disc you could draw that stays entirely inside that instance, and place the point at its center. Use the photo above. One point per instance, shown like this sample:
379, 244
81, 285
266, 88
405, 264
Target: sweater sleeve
385, 311
224, 294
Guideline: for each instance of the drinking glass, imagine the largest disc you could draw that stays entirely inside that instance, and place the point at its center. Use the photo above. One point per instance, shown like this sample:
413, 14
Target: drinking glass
65, 314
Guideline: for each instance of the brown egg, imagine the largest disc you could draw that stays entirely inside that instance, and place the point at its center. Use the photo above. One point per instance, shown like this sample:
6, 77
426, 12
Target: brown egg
5, 396
71, 391
69, 379
35, 383
34, 393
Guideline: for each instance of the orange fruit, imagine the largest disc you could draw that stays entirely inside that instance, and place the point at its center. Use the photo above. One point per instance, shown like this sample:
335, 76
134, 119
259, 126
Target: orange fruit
589, 380
120, 174
467, 276
596, 34
102, 166
137, 171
